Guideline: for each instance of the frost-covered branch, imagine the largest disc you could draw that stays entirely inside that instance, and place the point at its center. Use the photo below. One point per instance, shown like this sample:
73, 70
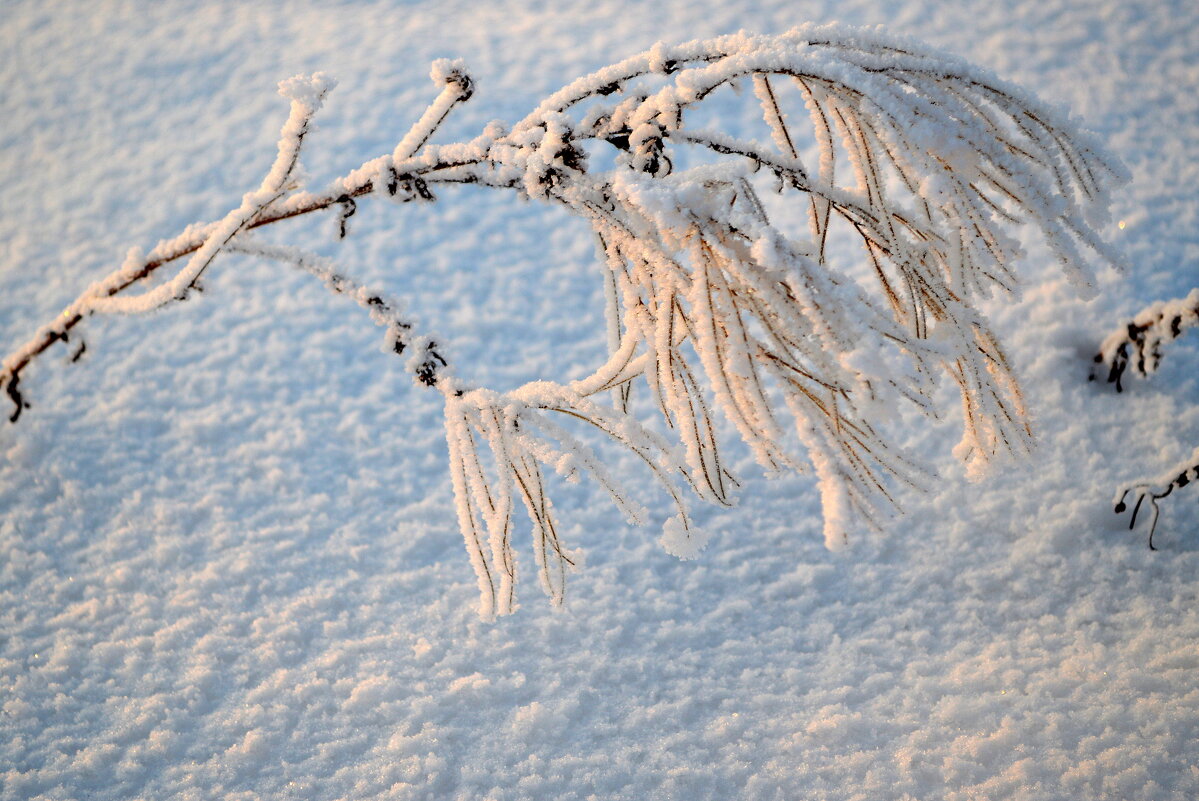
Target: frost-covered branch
103, 297
731, 322
275, 201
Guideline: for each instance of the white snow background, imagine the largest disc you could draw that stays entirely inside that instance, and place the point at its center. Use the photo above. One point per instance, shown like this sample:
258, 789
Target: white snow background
230, 564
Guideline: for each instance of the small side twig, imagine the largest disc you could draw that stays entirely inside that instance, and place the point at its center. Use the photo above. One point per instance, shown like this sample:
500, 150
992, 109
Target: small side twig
429, 368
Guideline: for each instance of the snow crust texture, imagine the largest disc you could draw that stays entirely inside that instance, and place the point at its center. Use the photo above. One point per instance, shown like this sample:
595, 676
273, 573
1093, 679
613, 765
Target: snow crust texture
228, 559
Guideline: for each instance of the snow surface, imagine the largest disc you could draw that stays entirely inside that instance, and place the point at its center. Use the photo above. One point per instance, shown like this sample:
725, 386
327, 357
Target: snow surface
230, 561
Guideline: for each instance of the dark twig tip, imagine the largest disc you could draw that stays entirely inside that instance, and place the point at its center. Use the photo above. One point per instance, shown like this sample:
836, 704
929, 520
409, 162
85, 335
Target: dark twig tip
14, 394
348, 208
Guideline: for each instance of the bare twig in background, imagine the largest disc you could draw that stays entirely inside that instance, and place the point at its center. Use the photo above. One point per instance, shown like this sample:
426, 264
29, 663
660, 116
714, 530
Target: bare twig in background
1155, 489
1136, 347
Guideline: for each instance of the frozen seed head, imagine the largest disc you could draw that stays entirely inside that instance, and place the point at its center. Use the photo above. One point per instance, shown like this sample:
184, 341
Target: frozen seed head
681, 540
453, 72
308, 89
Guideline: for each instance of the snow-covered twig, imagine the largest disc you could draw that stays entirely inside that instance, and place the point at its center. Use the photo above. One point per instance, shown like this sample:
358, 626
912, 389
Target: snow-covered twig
285, 203
927, 164
1137, 345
